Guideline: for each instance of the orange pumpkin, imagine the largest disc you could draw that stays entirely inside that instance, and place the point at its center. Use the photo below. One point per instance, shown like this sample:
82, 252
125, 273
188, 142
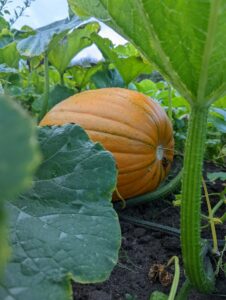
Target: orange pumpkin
129, 124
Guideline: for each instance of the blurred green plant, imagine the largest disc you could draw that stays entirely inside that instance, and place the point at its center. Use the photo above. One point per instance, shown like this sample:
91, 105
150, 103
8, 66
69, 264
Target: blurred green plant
19, 158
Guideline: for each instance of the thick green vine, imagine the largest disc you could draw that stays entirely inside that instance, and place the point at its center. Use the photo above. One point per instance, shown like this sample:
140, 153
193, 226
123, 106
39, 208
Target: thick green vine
160, 193
198, 268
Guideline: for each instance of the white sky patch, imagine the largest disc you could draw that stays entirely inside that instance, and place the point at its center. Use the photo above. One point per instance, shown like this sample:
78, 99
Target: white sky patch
41, 12
44, 12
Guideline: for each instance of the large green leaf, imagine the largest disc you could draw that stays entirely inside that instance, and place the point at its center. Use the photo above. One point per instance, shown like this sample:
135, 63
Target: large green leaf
72, 43
19, 150
4, 246
24, 32
18, 159
221, 103
183, 38
9, 55
6, 35
107, 78
82, 74
128, 65
65, 227
3, 23
47, 37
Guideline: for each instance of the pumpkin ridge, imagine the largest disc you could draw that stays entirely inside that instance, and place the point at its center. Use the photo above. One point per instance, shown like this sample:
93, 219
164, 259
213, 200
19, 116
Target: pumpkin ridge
133, 153
163, 172
150, 115
168, 142
104, 118
166, 132
115, 102
160, 174
129, 182
124, 136
143, 184
150, 109
122, 171
141, 190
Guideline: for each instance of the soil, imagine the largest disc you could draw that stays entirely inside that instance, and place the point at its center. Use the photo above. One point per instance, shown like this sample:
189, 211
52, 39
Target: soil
143, 247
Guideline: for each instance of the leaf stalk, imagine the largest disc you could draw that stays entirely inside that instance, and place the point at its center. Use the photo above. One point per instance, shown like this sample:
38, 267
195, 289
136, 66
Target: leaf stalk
197, 266
46, 87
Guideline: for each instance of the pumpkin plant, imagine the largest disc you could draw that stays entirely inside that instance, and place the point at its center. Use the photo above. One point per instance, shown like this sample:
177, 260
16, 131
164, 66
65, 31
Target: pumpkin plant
50, 41
123, 57
183, 39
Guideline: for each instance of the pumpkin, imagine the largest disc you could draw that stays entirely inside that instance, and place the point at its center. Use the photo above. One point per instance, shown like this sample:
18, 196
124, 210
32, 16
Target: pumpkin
129, 124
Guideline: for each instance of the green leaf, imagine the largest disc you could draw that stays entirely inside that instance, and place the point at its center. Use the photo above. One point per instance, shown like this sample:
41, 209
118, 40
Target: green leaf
19, 150
107, 78
158, 296
221, 112
47, 37
3, 23
218, 123
129, 66
5, 250
217, 117
216, 175
147, 87
9, 55
18, 159
82, 75
126, 50
186, 48
221, 103
4, 69
160, 92
4, 247
5, 40
65, 227
23, 33
57, 94
61, 55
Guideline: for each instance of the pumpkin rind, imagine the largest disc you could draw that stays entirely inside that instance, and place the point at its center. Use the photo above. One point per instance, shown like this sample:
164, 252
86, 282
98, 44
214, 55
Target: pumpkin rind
129, 124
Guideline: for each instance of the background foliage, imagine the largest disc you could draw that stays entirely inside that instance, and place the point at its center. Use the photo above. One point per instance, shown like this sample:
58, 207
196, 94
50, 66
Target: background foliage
27, 58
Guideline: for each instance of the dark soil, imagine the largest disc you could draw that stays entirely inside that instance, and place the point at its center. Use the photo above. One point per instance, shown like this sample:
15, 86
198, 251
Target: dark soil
142, 248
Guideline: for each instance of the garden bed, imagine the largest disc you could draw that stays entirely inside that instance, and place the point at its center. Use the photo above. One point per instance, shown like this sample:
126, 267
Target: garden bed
142, 248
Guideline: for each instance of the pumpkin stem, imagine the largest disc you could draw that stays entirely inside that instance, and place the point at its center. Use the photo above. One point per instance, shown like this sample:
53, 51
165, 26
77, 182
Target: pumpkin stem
159, 152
